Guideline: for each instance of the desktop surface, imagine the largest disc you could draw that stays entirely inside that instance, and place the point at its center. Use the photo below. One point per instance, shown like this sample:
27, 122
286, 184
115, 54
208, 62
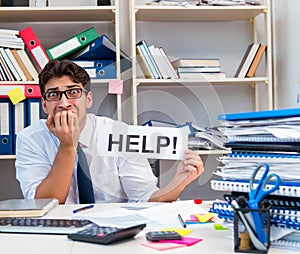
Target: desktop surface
213, 241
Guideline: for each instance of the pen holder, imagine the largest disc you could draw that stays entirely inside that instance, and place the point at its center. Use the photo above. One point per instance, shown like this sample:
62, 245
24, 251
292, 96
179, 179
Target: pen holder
245, 233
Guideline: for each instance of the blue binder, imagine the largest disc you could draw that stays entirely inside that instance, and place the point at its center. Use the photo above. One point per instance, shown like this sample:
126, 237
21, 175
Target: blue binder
6, 127
254, 115
34, 110
102, 48
19, 120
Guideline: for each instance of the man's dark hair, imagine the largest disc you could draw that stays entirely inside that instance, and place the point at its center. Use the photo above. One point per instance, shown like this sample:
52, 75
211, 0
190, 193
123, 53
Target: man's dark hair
59, 68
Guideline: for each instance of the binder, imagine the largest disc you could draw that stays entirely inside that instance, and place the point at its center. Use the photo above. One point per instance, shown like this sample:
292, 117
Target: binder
29, 65
10, 65
266, 114
72, 44
102, 48
30, 91
6, 127
15, 64
36, 49
98, 69
290, 189
5, 68
22, 65
34, 110
19, 120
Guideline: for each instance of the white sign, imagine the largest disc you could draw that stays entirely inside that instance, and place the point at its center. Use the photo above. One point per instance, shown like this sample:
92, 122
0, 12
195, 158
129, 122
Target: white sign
120, 139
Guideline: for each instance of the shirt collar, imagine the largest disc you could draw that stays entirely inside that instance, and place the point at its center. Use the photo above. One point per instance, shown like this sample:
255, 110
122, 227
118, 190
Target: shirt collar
86, 134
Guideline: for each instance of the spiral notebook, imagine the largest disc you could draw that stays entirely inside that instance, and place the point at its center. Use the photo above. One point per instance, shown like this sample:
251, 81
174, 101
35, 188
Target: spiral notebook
291, 189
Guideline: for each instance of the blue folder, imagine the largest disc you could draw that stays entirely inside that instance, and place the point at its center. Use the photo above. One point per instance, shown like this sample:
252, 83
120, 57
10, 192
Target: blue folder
102, 48
6, 127
255, 115
34, 110
19, 112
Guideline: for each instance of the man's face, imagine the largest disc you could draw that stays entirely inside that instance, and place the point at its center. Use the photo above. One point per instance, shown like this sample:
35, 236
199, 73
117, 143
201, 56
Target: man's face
79, 106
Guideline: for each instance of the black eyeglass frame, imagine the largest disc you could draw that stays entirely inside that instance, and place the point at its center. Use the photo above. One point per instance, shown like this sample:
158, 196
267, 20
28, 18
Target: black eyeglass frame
65, 93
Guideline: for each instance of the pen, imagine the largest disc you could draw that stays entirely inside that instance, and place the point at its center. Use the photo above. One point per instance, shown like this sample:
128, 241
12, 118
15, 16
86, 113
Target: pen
83, 208
181, 220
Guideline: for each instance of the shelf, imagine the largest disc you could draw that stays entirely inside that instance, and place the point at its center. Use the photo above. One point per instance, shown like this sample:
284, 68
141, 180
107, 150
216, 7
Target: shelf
7, 157
57, 14
197, 82
201, 13
209, 152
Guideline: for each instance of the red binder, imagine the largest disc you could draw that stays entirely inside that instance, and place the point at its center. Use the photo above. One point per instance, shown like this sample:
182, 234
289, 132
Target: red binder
36, 49
30, 91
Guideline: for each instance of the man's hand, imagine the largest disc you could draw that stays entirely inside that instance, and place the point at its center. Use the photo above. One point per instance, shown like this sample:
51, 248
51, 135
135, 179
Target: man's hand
65, 126
190, 168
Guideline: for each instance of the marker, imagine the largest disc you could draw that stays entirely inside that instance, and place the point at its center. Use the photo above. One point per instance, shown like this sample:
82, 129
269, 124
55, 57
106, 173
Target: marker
181, 220
83, 208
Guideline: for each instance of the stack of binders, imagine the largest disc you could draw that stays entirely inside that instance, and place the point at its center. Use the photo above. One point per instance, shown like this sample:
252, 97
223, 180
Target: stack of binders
15, 117
270, 137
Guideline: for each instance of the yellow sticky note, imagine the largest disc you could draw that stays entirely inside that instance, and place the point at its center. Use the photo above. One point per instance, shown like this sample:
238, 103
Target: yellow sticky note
16, 95
205, 217
180, 231
115, 86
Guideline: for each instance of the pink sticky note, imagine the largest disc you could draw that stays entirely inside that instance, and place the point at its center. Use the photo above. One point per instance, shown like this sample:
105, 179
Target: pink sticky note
188, 241
115, 86
162, 246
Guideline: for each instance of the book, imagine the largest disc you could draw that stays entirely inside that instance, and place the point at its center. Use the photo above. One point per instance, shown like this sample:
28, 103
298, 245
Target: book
196, 62
247, 60
202, 75
26, 207
15, 64
172, 72
207, 69
158, 58
256, 61
21, 64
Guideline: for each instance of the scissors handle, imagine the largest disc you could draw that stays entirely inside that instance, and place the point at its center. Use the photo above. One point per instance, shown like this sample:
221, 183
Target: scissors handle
271, 180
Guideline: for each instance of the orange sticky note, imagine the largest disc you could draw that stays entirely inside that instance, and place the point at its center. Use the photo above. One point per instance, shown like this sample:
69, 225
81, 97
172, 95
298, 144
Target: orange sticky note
115, 86
16, 95
162, 246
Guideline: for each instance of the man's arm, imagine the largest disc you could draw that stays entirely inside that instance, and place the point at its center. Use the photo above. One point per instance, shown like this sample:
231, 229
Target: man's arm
57, 184
188, 170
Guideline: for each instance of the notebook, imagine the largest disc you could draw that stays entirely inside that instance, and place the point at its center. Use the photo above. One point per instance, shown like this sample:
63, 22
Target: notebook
26, 207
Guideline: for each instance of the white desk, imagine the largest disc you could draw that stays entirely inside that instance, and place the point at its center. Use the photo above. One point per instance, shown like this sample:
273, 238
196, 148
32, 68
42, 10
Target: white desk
213, 241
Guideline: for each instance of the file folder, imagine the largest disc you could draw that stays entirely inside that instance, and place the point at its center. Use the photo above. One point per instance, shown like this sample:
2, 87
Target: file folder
73, 44
98, 69
267, 114
19, 120
102, 48
6, 127
34, 110
36, 49
30, 91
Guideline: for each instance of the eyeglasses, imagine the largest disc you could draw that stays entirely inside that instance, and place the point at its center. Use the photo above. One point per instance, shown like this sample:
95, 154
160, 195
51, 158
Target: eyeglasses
72, 93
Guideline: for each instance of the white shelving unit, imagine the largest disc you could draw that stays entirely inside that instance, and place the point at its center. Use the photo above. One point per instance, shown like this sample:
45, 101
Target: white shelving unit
54, 17
168, 14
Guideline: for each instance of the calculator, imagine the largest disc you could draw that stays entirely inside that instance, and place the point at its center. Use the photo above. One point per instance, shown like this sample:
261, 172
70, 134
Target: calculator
156, 236
105, 235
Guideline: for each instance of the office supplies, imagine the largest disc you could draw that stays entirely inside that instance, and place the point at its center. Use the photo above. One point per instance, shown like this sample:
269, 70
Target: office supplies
103, 72
19, 120
5, 68
156, 236
247, 60
188, 241
254, 65
26, 207
264, 114
10, 65
34, 110
81, 209
181, 220
15, 64
29, 65
30, 91
72, 44
102, 48
42, 225
34, 46
22, 65
6, 127
162, 246
291, 189
258, 193
256, 242
106, 235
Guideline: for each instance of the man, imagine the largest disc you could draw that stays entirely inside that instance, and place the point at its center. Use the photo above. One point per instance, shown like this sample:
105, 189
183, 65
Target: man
46, 156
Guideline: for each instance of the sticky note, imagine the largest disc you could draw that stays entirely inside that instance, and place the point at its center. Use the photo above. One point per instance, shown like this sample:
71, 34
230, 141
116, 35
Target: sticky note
219, 227
188, 241
162, 246
115, 86
180, 231
16, 95
205, 217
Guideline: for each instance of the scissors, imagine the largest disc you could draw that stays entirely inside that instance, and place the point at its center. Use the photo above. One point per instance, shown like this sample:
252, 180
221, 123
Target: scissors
258, 193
